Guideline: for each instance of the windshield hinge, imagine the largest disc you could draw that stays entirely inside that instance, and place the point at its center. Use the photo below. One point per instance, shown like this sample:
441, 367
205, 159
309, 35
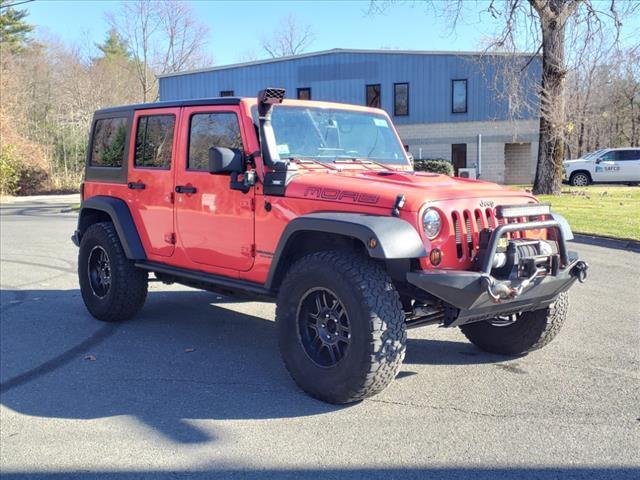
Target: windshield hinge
400, 200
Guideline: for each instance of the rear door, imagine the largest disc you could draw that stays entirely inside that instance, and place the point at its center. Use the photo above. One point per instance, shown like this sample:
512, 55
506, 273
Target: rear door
215, 224
629, 161
151, 175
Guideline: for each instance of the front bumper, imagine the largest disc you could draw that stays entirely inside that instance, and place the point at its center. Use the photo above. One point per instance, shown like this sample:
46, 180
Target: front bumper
471, 296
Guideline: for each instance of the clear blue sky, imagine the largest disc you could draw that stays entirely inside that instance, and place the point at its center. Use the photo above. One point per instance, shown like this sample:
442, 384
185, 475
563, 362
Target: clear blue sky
237, 27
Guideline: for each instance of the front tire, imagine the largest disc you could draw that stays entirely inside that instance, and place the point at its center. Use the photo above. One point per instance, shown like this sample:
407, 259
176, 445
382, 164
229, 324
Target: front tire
580, 179
340, 326
530, 331
112, 288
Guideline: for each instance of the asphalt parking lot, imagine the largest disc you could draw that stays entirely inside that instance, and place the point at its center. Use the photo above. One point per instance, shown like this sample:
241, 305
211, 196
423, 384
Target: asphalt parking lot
194, 387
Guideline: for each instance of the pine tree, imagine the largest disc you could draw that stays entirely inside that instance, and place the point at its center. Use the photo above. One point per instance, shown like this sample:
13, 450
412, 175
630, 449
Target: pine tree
14, 30
114, 47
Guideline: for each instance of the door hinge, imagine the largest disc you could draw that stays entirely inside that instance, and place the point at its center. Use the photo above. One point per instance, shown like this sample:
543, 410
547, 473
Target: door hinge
170, 238
249, 203
248, 250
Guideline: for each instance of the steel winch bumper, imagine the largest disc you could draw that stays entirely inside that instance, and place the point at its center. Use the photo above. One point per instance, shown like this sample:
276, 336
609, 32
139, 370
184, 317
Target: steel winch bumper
471, 296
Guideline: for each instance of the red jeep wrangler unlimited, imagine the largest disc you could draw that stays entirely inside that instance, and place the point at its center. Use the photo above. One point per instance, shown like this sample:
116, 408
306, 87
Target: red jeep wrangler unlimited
315, 205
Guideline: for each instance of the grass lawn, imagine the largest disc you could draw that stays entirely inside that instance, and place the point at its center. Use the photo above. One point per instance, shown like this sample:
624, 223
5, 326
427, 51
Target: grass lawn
609, 210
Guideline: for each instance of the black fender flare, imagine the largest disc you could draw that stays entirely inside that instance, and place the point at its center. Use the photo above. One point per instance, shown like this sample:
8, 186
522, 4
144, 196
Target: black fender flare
385, 238
122, 220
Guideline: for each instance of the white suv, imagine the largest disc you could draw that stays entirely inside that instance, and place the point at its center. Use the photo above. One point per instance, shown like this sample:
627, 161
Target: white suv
609, 165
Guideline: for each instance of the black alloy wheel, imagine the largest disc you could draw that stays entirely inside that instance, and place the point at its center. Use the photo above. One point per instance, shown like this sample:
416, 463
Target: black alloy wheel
323, 327
99, 271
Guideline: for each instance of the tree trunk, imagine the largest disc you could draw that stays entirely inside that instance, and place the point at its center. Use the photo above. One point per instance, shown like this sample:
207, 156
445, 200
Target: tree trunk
552, 107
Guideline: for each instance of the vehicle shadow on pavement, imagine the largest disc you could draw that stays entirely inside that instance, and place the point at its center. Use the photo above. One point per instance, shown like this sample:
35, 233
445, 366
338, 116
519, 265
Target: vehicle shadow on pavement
422, 351
185, 357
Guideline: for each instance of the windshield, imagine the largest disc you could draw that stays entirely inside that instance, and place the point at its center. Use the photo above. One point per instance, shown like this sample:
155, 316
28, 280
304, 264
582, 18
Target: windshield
591, 155
331, 135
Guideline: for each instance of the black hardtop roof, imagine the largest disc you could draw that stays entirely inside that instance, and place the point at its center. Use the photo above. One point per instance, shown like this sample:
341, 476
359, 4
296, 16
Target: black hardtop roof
171, 104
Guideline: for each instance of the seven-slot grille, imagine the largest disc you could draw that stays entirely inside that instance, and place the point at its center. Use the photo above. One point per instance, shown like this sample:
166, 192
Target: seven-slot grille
468, 223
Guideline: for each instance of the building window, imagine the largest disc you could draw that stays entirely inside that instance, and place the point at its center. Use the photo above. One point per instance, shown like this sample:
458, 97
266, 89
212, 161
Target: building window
211, 130
373, 96
154, 141
109, 136
459, 96
400, 99
226, 93
304, 94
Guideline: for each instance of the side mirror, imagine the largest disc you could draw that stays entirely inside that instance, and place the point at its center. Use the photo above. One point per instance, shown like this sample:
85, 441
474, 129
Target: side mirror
225, 160
598, 160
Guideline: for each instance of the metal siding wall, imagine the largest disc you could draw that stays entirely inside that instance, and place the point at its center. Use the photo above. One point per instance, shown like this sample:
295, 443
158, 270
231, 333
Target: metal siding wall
342, 77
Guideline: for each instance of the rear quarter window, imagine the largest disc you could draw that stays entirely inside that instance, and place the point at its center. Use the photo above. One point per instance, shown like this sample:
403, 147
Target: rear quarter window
108, 143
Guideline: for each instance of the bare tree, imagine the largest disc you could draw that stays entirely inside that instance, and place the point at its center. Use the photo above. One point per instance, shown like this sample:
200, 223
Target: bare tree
137, 22
290, 38
184, 39
542, 26
164, 37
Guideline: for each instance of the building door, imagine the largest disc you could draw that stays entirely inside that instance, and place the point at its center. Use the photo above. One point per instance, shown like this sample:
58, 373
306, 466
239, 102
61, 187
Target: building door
458, 157
214, 222
517, 163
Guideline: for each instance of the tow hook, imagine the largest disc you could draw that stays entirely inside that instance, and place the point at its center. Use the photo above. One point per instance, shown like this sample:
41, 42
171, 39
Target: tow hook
580, 270
501, 291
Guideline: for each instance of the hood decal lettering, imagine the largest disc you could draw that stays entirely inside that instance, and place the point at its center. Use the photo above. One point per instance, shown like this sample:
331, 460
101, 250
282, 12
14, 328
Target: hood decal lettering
341, 195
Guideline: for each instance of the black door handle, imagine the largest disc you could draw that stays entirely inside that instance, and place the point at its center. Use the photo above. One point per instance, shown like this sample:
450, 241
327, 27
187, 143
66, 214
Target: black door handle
185, 189
136, 185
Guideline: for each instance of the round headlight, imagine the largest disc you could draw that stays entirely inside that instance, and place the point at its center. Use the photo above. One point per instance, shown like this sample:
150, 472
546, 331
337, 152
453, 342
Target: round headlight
431, 223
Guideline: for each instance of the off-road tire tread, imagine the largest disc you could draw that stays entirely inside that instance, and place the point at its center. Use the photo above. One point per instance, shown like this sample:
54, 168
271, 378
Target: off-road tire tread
387, 332
129, 283
532, 331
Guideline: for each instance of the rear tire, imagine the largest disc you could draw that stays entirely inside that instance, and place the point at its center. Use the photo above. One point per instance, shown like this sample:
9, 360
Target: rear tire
368, 338
112, 288
580, 179
531, 331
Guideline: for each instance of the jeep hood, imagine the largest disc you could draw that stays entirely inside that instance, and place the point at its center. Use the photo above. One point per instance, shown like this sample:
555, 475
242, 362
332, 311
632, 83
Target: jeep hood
380, 188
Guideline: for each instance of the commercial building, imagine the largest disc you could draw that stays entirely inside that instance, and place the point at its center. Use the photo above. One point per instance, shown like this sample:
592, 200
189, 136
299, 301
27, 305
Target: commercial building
453, 105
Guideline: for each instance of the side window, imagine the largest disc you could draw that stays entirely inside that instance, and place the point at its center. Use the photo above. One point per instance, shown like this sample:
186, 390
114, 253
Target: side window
628, 155
400, 99
304, 94
109, 136
154, 141
373, 95
459, 96
609, 156
208, 130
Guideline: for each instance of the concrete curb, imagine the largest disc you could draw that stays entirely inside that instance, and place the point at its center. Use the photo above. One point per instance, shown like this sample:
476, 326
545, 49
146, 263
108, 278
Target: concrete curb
607, 242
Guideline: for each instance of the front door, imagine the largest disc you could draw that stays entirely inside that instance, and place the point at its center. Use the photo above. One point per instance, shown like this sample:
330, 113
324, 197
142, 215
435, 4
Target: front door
607, 168
458, 157
215, 224
150, 180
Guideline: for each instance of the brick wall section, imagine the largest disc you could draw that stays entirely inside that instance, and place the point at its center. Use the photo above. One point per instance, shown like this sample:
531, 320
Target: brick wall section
436, 139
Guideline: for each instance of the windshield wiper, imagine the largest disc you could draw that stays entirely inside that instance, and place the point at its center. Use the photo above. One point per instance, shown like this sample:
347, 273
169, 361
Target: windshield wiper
313, 160
363, 162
